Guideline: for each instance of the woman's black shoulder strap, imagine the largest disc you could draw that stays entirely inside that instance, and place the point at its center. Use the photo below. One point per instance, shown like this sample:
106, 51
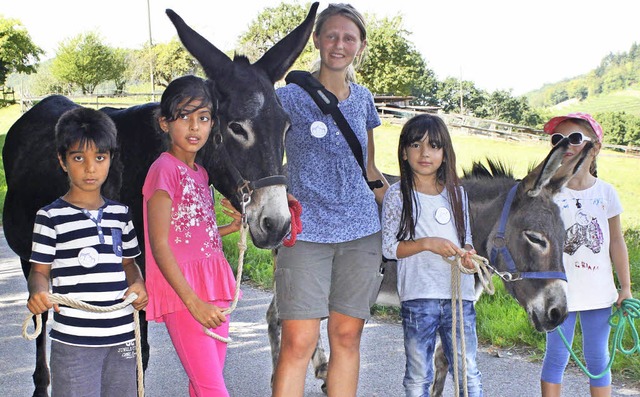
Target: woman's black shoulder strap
328, 104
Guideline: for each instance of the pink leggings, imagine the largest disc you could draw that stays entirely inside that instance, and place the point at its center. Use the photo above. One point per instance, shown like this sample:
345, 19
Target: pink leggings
201, 356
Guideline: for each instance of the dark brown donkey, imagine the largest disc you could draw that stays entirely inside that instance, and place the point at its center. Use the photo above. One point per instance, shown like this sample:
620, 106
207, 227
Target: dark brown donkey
523, 240
243, 155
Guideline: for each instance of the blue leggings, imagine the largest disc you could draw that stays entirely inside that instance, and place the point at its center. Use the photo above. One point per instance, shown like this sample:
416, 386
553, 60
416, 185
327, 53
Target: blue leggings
595, 344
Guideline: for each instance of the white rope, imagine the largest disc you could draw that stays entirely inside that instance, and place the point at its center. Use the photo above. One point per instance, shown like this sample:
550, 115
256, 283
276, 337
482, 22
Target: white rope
480, 266
78, 304
242, 246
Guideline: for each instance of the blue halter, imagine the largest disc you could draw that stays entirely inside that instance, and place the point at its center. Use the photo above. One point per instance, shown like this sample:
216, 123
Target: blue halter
500, 248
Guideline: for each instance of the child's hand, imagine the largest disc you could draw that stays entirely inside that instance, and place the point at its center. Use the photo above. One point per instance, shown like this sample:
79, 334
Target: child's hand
467, 260
39, 303
141, 301
625, 293
210, 316
444, 247
228, 209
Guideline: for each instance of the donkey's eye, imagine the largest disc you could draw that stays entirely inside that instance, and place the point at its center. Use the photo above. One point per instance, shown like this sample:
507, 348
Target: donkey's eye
536, 238
238, 130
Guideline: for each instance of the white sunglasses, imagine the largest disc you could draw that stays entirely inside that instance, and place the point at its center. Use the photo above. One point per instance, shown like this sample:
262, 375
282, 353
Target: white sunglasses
575, 138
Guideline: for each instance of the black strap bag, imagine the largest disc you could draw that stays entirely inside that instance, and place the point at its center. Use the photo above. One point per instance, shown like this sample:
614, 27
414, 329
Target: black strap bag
328, 104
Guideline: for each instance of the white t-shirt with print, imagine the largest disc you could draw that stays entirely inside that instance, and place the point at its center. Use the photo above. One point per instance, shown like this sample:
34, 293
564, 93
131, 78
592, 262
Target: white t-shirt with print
586, 257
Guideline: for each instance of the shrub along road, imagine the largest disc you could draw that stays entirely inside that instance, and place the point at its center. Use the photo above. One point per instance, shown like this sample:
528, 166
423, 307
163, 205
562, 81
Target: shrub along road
248, 368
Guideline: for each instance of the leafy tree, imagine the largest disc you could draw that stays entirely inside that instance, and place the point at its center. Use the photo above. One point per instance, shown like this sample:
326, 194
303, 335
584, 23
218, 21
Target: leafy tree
120, 64
17, 52
84, 61
44, 82
172, 60
269, 27
393, 65
614, 124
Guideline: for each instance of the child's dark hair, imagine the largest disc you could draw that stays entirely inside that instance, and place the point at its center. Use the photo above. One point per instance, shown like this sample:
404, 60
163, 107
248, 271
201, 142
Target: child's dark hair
181, 92
85, 126
435, 129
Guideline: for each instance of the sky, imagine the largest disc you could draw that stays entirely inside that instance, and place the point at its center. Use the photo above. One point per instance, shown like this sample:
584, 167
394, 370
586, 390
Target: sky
511, 45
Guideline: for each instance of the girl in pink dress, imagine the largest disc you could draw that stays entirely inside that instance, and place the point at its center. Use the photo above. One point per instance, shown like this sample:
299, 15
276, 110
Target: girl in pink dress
188, 279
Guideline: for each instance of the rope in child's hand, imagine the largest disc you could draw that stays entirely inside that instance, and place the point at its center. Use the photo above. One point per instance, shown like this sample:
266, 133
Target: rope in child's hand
78, 304
621, 318
242, 247
480, 266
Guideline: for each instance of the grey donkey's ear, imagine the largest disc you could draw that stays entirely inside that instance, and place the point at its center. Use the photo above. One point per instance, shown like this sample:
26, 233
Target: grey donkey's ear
541, 175
552, 174
569, 169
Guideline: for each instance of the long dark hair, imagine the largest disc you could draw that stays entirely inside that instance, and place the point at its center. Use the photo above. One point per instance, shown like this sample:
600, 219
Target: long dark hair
413, 131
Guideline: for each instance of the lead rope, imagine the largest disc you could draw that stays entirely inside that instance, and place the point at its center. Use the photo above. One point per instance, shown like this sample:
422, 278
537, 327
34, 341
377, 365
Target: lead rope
242, 247
484, 274
78, 304
620, 319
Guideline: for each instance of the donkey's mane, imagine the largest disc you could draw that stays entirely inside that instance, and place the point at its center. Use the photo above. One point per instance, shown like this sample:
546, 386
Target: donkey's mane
497, 169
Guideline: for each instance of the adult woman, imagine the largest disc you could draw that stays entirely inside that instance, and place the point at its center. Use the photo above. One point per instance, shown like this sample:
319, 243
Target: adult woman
333, 269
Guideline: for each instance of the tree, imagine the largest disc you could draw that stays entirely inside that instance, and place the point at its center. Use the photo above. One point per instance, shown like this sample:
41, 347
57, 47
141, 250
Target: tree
84, 61
269, 27
393, 65
172, 60
17, 52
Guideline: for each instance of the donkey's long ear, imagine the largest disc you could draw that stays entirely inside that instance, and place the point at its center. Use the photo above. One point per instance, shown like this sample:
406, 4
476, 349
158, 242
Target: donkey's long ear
213, 61
569, 169
279, 58
542, 174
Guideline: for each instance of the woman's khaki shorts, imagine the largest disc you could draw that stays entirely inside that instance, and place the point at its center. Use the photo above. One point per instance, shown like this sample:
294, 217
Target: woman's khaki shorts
315, 278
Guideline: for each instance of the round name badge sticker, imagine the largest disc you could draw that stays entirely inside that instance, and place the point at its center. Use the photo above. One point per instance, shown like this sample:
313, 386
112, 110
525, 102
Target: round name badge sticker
318, 129
442, 215
88, 257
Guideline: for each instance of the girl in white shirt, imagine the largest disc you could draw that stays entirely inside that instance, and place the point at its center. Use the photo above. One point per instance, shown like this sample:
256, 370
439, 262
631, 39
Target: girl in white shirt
594, 247
425, 218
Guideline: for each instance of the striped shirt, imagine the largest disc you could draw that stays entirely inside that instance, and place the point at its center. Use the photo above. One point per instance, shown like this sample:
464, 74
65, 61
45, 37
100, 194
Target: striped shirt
85, 250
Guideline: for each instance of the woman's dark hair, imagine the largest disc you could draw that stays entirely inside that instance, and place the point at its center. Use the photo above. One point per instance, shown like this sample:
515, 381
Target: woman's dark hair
181, 92
414, 131
84, 126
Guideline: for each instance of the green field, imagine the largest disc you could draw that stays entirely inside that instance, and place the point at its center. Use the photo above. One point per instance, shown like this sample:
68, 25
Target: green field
613, 167
627, 101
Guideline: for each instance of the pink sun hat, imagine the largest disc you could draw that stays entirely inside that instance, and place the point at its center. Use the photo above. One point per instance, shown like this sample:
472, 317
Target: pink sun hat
553, 123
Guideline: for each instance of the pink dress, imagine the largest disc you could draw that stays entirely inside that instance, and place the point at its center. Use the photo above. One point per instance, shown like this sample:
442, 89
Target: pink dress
193, 237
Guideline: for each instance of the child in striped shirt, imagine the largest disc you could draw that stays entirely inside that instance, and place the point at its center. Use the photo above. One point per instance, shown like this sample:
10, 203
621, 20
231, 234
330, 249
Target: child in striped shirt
85, 244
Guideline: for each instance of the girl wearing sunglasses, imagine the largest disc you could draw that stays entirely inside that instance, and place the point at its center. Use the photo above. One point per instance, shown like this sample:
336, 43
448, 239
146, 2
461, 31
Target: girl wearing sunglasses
594, 247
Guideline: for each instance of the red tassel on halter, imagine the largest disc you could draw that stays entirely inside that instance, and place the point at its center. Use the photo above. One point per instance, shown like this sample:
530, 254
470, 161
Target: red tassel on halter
296, 223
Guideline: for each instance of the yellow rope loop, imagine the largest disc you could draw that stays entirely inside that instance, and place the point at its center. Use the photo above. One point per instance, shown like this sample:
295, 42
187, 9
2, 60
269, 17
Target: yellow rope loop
78, 304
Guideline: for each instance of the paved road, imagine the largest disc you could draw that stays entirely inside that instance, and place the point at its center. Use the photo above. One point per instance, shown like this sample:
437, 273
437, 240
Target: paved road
248, 368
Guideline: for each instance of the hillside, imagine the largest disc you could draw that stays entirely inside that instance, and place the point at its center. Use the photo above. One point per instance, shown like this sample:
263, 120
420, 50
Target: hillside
611, 86
627, 101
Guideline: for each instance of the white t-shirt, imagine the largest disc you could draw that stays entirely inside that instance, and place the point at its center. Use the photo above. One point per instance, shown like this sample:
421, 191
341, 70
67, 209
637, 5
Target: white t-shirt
586, 257
424, 275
